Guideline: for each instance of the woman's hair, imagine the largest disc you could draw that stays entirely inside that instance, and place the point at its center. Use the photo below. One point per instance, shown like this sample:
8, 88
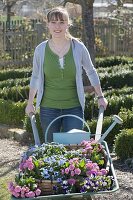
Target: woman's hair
59, 13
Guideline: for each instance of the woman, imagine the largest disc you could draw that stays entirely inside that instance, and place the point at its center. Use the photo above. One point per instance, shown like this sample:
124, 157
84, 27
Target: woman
57, 76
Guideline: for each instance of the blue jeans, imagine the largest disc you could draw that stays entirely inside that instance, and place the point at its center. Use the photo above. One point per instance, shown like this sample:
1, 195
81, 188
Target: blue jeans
63, 124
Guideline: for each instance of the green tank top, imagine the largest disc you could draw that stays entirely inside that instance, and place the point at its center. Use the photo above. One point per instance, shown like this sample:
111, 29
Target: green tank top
60, 84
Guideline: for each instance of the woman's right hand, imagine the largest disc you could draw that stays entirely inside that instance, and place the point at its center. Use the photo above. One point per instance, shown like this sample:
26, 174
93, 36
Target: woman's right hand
30, 108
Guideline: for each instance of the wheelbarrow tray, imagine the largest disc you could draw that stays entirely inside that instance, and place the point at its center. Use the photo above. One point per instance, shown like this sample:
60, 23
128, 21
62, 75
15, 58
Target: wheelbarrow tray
87, 194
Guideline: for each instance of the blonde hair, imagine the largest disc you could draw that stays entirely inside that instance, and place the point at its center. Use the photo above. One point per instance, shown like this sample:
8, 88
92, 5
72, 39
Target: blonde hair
59, 13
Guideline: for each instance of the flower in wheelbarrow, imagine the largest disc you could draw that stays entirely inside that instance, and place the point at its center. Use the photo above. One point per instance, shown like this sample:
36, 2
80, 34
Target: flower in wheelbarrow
95, 151
97, 183
23, 191
26, 164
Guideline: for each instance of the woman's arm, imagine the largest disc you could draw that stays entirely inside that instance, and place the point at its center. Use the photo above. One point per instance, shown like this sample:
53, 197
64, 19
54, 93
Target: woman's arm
102, 101
30, 107
93, 77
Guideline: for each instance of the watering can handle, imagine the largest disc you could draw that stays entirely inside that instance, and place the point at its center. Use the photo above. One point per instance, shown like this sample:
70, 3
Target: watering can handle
68, 115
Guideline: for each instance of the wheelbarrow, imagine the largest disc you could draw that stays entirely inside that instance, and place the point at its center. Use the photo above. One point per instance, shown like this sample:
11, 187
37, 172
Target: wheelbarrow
60, 137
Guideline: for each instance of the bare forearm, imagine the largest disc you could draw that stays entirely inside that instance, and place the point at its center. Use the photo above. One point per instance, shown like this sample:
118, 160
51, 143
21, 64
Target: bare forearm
32, 94
30, 107
102, 101
98, 90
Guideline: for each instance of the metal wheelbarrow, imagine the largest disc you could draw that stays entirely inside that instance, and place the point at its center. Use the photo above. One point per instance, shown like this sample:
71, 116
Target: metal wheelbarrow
98, 137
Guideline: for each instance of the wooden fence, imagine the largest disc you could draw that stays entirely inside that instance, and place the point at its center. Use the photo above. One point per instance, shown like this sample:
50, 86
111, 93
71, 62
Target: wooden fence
19, 38
17, 42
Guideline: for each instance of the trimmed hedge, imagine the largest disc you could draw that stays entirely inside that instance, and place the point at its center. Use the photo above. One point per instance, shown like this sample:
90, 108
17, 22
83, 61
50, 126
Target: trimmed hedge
14, 82
124, 144
117, 80
15, 93
115, 103
113, 60
12, 113
14, 73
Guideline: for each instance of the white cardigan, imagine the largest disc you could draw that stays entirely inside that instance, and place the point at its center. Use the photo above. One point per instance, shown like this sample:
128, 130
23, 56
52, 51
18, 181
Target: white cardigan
81, 58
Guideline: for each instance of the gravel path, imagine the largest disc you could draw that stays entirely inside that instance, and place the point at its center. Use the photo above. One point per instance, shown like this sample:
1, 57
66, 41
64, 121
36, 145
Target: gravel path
10, 152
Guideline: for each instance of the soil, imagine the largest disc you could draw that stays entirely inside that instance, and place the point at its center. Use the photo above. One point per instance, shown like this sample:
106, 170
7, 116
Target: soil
10, 153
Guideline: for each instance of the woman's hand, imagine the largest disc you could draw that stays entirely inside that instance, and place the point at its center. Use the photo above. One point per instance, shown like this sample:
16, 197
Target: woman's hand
102, 102
30, 108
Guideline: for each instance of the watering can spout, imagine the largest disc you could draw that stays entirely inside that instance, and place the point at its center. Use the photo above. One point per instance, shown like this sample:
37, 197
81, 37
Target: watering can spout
117, 119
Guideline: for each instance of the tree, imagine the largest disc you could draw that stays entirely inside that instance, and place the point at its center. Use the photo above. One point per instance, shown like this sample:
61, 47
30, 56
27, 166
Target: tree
88, 29
8, 5
88, 26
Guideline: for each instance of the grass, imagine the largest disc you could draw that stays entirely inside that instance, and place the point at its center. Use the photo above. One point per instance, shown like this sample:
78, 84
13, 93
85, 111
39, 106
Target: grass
4, 193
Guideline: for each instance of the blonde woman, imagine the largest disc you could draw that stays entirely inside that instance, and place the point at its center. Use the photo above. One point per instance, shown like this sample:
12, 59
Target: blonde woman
57, 76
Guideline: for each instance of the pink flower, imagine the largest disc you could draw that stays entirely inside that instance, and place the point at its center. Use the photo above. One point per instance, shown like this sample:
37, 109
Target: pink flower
75, 160
62, 171
84, 142
92, 172
71, 181
71, 161
17, 189
72, 173
99, 173
23, 190
30, 194
67, 170
104, 171
89, 165
88, 147
22, 195
27, 189
71, 167
25, 165
15, 194
77, 171
21, 166
11, 186
30, 166
38, 192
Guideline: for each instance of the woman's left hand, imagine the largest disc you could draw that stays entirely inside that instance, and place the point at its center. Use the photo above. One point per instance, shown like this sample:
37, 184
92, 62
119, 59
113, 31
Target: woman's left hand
102, 102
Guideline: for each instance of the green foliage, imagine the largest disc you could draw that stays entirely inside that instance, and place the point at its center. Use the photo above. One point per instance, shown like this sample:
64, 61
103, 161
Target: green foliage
124, 144
115, 104
112, 61
14, 73
14, 82
117, 80
12, 113
100, 48
16, 93
27, 126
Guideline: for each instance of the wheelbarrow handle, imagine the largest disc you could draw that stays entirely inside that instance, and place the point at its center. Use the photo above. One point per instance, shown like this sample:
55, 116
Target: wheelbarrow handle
34, 128
68, 115
99, 123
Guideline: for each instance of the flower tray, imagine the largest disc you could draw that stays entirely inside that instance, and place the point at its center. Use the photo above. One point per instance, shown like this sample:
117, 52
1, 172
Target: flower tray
46, 186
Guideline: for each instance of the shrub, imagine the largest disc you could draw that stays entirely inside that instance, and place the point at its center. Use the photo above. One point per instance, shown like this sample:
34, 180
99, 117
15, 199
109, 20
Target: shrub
124, 144
113, 60
15, 93
12, 113
15, 73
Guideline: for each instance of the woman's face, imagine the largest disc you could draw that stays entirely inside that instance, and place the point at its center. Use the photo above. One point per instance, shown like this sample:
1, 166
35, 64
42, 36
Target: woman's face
58, 27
